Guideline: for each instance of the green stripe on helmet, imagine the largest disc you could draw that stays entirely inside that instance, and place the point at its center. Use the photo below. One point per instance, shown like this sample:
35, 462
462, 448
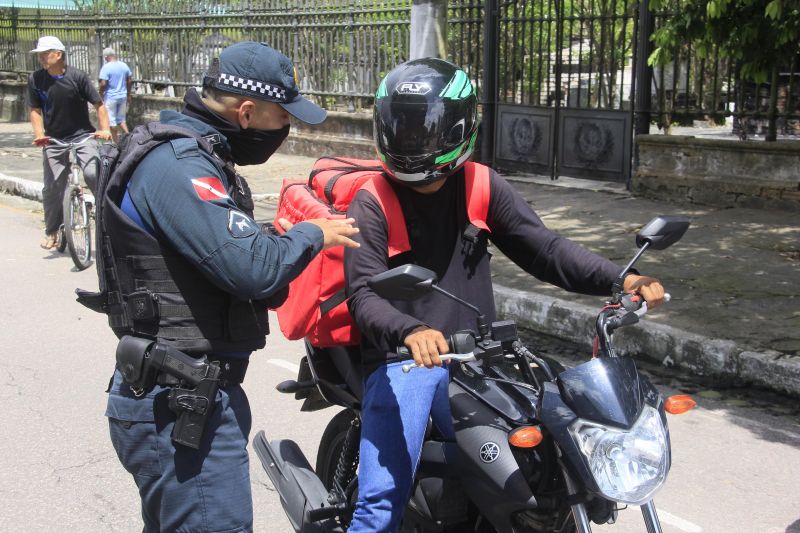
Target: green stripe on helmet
456, 85
449, 156
462, 148
472, 140
468, 90
382, 90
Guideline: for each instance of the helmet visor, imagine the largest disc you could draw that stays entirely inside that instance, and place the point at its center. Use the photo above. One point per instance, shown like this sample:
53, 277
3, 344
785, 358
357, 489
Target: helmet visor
421, 129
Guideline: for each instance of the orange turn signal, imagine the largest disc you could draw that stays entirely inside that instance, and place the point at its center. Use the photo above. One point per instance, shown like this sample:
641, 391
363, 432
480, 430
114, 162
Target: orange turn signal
677, 405
526, 437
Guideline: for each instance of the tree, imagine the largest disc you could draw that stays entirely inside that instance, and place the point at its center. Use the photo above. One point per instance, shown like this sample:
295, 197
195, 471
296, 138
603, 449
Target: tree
763, 36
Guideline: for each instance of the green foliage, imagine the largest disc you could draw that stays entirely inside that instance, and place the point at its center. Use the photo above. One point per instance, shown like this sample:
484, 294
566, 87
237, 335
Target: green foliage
761, 34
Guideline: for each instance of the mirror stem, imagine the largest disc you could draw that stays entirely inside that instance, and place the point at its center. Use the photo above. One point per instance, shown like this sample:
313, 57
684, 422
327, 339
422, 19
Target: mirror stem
616, 288
483, 328
456, 298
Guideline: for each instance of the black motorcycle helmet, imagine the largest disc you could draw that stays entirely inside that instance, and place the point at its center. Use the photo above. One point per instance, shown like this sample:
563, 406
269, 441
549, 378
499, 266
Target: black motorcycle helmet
425, 121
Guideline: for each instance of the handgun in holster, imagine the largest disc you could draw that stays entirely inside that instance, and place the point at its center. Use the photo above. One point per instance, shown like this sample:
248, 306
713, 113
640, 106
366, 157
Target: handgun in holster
192, 399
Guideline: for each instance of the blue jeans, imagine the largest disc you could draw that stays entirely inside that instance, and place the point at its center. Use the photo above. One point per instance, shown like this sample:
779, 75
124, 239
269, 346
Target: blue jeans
394, 415
183, 489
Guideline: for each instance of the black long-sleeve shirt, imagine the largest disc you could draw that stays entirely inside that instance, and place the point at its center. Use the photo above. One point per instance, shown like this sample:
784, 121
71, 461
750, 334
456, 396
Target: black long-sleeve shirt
435, 225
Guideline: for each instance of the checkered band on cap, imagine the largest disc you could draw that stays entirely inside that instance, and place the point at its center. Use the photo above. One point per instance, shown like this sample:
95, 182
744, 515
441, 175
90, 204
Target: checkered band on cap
253, 86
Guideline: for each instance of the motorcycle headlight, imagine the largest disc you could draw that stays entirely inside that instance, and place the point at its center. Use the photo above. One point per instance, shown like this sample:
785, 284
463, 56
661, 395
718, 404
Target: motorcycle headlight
629, 466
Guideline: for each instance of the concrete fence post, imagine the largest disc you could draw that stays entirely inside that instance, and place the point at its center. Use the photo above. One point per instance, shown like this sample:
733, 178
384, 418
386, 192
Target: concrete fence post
428, 29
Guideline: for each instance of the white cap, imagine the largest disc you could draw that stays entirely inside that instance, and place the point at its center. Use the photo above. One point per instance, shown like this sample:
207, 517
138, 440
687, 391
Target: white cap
108, 52
48, 42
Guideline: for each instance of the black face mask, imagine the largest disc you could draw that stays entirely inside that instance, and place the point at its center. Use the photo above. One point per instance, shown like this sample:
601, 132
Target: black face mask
252, 146
247, 146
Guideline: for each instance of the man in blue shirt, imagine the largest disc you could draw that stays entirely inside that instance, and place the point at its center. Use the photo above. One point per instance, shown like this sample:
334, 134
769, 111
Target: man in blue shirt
115, 87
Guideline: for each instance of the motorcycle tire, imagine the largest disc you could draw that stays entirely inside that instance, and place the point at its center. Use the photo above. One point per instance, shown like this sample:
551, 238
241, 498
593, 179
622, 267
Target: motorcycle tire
330, 446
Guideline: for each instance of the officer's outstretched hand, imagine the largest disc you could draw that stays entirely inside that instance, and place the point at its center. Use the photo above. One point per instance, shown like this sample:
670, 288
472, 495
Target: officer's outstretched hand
425, 345
335, 232
649, 288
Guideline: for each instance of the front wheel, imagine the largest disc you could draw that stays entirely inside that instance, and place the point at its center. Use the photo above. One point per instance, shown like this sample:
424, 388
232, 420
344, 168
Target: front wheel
77, 227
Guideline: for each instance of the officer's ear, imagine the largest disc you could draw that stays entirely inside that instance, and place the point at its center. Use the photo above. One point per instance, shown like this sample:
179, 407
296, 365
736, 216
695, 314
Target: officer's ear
246, 113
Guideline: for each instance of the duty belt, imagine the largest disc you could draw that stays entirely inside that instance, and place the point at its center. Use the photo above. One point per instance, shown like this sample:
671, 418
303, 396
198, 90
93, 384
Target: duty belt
232, 372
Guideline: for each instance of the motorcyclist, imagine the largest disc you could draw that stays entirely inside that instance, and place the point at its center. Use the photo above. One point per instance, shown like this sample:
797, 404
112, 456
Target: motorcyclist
425, 127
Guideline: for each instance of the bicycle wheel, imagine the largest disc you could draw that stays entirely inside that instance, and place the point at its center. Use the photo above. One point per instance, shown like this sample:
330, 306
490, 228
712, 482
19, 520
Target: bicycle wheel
77, 227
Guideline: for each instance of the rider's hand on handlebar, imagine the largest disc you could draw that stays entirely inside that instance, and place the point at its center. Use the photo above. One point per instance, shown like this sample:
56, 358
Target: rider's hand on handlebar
41, 141
649, 288
425, 345
103, 135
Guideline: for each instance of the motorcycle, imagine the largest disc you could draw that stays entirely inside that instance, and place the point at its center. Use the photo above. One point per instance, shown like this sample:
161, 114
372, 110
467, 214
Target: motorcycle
538, 447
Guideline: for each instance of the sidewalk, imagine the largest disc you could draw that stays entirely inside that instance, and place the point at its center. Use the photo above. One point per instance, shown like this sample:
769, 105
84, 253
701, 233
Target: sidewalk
734, 278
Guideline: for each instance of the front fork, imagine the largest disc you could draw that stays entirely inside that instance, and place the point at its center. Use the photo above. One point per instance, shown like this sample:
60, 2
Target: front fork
582, 523
651, 517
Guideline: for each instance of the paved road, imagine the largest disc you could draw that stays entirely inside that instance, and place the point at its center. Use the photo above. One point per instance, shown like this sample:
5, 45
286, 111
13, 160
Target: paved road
736, 466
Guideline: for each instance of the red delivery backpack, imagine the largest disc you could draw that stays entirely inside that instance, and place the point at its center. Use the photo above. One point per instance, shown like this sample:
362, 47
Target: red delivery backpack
316, 307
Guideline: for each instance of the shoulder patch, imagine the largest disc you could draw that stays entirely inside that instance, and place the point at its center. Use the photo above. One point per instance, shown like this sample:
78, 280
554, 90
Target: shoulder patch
240, 225
209, 188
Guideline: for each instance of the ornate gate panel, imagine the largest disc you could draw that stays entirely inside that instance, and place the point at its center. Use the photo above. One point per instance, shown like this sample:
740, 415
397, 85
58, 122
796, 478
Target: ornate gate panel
524, 137
595, 144
564, 86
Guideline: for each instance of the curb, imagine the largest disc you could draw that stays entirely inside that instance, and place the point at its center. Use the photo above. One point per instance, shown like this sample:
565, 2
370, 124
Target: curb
720, 359
29, 189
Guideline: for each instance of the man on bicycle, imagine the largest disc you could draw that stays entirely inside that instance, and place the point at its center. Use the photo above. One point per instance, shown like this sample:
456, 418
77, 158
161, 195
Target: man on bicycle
57, 96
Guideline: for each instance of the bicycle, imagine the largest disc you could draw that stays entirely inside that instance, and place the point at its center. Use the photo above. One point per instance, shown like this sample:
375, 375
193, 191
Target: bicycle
76, 231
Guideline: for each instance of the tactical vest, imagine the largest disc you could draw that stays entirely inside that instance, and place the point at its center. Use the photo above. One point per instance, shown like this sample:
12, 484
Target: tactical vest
149, 290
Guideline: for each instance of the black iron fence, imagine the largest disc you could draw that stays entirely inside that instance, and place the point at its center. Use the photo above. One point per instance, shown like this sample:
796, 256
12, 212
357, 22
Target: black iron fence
568, 53
341, 48
696, 86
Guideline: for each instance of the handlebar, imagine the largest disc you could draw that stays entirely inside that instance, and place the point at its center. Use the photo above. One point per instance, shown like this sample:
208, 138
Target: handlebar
446, 358
630, 309
46, 141
460, 345
636, 304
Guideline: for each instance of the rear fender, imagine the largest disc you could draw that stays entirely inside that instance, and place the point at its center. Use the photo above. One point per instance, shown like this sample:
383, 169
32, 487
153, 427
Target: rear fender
299, 487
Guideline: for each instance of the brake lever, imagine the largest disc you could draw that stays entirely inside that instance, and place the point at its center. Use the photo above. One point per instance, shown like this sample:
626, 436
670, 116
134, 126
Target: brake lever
458, 357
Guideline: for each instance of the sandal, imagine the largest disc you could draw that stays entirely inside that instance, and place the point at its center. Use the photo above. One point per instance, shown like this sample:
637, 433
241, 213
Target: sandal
49, 242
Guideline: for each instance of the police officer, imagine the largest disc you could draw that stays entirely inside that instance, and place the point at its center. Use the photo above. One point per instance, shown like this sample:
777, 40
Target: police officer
192, 269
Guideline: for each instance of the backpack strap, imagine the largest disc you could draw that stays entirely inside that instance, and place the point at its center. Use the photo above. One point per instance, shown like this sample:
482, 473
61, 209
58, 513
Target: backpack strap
478, 194
398, 241
342, 167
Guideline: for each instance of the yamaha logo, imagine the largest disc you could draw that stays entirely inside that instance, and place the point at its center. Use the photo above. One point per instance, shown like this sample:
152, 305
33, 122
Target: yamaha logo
413, 88
489, 453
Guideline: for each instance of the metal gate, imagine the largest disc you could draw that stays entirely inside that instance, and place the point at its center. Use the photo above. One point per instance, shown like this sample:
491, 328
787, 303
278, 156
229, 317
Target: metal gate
563, 86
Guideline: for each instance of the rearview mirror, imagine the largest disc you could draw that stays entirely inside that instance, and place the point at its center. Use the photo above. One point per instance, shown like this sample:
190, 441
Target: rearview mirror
407, 282
662, 232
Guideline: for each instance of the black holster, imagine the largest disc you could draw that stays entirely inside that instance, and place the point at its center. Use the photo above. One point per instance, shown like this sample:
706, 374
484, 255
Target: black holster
192, 400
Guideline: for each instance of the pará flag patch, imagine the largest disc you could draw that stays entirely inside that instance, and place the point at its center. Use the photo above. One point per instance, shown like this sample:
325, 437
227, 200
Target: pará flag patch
209, 188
